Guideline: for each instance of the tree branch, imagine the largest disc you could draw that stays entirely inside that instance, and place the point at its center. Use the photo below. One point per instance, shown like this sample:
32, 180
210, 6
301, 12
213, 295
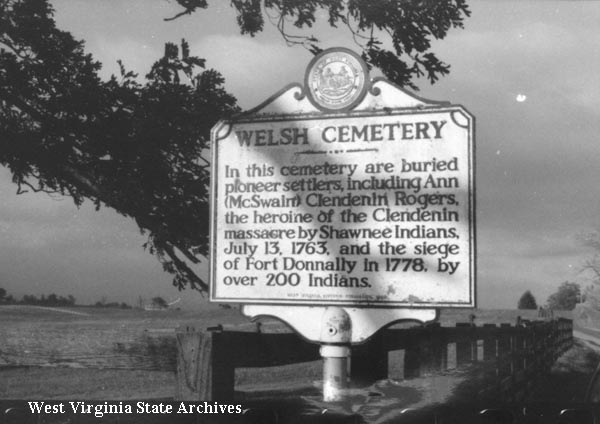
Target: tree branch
190, 256
22, 183
179, 15
184, 268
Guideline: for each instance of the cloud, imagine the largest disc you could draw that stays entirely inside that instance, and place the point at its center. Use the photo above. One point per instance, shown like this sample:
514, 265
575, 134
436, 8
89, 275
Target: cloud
52, 246
536, 160
533, 54
510, 262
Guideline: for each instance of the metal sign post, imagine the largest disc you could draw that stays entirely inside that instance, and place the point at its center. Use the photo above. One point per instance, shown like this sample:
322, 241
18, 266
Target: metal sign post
343, 205
335, 350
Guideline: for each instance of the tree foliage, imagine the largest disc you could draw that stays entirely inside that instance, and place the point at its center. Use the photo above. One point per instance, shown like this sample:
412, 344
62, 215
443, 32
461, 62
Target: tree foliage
592, 264
566, 297
590, 271
527, 301
50, 300
135, 147
408, 27
159, 302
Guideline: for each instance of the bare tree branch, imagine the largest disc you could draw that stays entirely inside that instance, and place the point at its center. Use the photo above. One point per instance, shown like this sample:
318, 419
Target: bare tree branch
179, 15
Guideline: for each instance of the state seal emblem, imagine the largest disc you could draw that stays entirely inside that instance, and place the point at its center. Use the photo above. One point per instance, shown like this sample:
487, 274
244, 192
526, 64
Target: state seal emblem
336, 80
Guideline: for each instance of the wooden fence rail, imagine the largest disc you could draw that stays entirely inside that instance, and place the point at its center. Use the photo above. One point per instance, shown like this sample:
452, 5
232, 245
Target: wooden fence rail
205, 361
518, 354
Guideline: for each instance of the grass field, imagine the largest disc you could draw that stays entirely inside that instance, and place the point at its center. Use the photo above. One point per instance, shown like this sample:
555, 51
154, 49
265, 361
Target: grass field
92, 329
43, 333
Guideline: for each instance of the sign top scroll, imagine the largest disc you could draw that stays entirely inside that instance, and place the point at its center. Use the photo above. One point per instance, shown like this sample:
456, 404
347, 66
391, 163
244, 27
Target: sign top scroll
344, 191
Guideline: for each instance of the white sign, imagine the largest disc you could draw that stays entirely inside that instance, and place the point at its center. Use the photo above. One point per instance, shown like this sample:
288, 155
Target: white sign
369, 207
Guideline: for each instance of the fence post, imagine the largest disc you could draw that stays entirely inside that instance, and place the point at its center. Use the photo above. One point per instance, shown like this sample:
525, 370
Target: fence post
223, 369
433, 350
441, 346
489, 342
548, 345
554, 340
542, 350
516, 360
566, 334
571, 341
504, 360
535, 349
526, 360
464, 348
189, 359
370, 363
412, 354
204, 371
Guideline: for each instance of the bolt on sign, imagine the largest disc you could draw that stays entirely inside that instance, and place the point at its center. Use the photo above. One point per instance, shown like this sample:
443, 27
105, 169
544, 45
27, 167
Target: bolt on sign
344, 191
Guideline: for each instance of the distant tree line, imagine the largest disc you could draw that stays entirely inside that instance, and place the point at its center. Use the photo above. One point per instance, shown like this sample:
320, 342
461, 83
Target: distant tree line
569, 294
104, 304
53, 300
565, 298
30, 299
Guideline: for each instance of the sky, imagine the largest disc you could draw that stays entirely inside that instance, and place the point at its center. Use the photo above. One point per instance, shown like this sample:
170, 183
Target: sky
527, 70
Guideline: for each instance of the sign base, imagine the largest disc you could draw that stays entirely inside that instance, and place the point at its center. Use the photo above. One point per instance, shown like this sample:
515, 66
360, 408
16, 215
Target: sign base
309, 321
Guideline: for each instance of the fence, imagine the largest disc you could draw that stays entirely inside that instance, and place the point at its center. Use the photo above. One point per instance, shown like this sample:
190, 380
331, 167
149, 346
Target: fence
517, 354
205, 361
